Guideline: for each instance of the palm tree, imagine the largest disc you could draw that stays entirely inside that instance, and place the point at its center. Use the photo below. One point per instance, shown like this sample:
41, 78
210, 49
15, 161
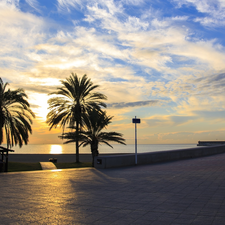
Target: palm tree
93, 135
75, 98
15, 116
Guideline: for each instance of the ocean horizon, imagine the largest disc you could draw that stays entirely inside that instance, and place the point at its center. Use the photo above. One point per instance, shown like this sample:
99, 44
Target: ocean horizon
103, 149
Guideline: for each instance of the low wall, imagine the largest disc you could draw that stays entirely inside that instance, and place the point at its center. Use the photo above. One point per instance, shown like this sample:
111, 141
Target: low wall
111, 161
210, 143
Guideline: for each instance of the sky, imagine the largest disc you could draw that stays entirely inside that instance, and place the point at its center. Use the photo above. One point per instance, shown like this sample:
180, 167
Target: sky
162, 61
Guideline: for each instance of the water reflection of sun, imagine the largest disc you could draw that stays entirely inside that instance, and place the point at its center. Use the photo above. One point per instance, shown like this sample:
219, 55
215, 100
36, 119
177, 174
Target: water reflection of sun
56, 149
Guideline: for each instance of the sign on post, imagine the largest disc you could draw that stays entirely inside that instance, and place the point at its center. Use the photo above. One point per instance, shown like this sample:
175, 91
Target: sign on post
135, 121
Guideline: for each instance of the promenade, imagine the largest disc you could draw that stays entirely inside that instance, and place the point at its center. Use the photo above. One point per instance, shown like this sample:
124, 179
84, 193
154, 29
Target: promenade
180, 192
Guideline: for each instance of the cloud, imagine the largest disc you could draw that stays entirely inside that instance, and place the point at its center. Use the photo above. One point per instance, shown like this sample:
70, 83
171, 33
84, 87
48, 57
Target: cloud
212, 79
34, 4
112, 16
188, 92
169, 120
132, 104
141, 55
101, 6
68, 5
168, 48
133, 2
211, 115
41, 89
135, 24
190, 137
179, 18
208, 21
217, 77
213, 9
211, 83
12, 4
17, 40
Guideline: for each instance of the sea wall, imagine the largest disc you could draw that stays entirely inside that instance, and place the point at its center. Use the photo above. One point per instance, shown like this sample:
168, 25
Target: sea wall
210, 143
111, 161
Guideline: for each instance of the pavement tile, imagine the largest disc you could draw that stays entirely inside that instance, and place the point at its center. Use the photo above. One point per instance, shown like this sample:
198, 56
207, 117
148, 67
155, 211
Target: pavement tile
142, 222
220, 214
208, 212
161, 222
121, 222
182, 221
203, 220
219, 221
179, 192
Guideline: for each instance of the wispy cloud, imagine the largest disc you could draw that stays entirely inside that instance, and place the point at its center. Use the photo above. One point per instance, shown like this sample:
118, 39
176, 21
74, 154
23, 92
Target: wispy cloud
18, 40
149, 58
169, 120
191, 136
132, 104
213, 10
68, 5
34, 4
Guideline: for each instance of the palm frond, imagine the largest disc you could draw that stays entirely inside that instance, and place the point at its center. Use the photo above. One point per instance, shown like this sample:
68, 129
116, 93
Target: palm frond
15, 116
92, 133
70, 107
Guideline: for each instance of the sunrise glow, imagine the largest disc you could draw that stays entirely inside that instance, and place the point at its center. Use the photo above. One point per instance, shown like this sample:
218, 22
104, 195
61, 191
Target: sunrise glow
162, 61
56, 149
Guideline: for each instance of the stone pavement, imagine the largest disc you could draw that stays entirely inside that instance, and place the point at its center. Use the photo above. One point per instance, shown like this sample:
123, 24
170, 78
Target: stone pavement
181, 192
48, 166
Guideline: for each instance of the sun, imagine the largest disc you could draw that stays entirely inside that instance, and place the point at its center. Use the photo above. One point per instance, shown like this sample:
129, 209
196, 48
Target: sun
56, 149
39, 105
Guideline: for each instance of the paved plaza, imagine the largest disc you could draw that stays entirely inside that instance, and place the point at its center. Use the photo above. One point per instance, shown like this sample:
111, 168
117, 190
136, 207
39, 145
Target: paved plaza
181, 192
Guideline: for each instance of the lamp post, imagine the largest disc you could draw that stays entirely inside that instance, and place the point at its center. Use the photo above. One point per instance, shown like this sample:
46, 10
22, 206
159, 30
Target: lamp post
135, 121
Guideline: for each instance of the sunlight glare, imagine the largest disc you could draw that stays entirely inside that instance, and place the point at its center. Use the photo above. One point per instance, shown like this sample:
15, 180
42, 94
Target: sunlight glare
41, 101
56, 149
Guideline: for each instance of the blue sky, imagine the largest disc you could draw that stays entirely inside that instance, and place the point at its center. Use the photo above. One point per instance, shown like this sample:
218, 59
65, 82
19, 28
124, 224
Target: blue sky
162, 61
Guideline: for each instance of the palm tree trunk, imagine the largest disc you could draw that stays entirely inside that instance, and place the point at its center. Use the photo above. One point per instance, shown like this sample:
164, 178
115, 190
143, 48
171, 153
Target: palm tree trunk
1, 126
93, 159
1, 134
94, 150
94, 154
77, 142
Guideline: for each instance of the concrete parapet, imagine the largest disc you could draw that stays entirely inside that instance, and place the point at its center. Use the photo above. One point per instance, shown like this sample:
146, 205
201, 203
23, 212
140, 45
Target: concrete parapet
111, 161
210, 143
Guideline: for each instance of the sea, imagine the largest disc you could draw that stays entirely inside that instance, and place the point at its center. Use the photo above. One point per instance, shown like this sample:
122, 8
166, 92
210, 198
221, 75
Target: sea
103, 149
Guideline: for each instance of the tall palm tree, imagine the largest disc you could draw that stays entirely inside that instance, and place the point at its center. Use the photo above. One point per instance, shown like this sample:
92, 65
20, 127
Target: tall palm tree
93, 135
15, 116
75, 98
